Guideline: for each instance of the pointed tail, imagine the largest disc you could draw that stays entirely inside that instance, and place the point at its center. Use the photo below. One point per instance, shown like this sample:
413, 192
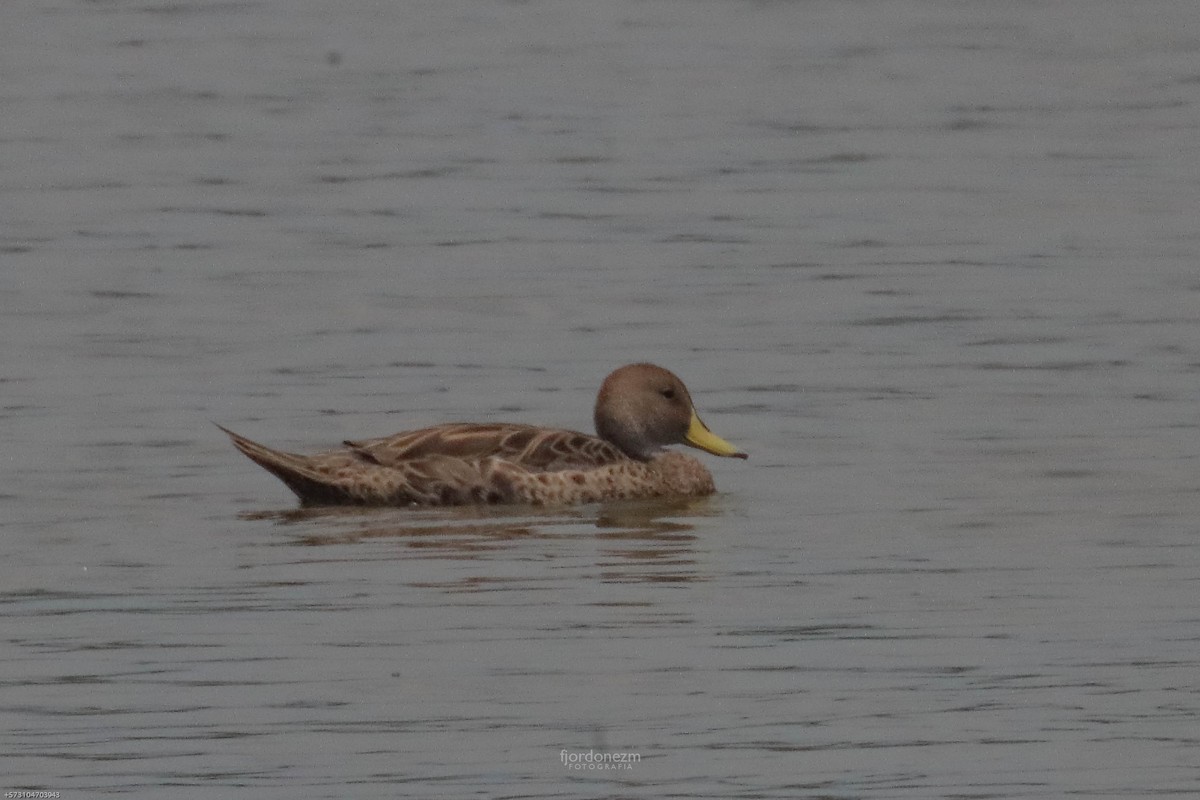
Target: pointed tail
309, 484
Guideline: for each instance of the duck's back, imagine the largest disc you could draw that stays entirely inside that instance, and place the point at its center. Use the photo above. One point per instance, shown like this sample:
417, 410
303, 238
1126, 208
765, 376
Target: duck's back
532, 448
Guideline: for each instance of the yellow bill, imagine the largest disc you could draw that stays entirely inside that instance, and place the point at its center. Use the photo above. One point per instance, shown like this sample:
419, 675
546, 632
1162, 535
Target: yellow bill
700, 436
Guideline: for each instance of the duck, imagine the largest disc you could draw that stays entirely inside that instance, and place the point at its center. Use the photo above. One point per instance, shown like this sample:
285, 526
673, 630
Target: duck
641, 409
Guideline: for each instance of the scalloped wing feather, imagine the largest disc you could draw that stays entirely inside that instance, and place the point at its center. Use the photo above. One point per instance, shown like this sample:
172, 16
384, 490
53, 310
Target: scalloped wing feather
533, 448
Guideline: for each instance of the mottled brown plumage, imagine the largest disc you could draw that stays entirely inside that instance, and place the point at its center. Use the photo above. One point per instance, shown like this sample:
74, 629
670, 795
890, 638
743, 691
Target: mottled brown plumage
640, 409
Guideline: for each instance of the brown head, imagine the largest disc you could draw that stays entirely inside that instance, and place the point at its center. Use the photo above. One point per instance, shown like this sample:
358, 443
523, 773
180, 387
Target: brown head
642, 408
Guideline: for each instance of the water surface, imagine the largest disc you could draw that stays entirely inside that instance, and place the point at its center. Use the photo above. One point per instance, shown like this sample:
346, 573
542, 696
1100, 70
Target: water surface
932, 264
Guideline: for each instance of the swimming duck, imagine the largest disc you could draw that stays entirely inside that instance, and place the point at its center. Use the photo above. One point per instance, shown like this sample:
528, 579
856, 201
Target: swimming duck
640, 409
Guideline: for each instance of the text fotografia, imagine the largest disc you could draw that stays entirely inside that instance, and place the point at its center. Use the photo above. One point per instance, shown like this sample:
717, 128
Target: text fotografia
593, 760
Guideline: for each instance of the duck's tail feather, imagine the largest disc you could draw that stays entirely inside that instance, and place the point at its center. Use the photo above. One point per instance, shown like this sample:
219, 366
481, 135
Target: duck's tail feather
310, 485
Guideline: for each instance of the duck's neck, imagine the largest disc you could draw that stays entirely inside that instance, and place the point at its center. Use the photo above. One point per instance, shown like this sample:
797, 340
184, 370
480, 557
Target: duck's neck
633, 446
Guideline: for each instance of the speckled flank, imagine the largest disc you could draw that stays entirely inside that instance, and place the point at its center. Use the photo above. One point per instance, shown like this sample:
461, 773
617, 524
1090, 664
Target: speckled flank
669, 474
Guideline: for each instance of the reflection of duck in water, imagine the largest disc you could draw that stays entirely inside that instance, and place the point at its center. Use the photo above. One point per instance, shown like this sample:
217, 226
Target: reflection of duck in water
640, 409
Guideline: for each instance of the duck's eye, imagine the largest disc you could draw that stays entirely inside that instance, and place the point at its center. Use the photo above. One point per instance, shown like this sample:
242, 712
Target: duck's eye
668, 393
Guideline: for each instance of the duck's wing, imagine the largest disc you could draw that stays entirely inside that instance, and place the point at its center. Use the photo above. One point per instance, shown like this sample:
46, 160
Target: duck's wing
533, 448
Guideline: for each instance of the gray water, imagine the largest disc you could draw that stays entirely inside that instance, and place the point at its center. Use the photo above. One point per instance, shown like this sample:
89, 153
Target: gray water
933, 264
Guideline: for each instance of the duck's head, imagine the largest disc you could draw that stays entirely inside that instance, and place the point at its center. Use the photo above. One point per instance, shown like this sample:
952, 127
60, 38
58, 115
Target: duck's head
642, 408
